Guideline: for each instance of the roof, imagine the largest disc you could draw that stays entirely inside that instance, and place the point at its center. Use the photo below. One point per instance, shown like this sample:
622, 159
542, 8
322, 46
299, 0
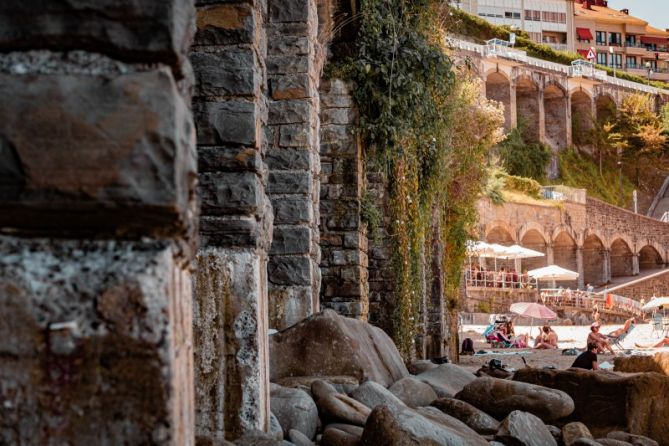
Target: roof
652, 31
608, 15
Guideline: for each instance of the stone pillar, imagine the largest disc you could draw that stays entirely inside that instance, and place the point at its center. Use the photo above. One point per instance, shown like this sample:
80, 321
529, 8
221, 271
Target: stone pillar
97, 215
513, 105
607, 266
542, 115
550, 259
635, 264
436, 318
569, 135
579, 267
343, 234
293, 69
230, 308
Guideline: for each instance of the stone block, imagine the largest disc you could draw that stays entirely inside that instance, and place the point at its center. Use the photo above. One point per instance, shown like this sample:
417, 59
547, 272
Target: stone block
231, 72
226, 122
97, 343
292, 86
288, 159
229, 159
340, 116
230, 192
225, 24
150, 30
289, 10
88, 154
288, 65
291, 240
296, 135
289, 45
289, 305
284, 270
290, 112
232, 231
284, 182
292, 210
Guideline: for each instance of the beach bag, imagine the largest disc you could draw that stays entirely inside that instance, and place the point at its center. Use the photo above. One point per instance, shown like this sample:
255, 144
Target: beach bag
467, 347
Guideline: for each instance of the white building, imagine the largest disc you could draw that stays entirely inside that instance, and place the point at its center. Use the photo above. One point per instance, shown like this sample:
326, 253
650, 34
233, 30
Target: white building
547, 21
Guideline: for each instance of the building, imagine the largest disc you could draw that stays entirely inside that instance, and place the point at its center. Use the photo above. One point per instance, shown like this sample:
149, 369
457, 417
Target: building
546, 21
621, 40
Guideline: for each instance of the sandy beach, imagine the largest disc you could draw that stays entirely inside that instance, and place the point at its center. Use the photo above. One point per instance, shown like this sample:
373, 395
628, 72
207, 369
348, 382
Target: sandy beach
568, 337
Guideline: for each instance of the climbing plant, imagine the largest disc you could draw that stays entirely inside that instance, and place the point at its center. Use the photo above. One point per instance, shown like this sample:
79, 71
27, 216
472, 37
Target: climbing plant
427, 128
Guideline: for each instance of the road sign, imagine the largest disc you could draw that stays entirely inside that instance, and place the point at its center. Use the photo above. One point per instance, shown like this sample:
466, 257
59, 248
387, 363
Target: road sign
591, 54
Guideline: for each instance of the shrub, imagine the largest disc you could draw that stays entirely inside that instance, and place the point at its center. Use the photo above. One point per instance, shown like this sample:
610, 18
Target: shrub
524, 159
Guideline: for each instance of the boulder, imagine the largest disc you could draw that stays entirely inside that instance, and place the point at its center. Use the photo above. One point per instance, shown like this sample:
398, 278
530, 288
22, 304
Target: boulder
402, 426
607, 401
524, 429
343, 384
372, 394
348, 428
636, 364
500, 397
275, 426
612, 442
294, 409
585, 442
636, 440
556, 432
299, 439
336, 437
413, 392
573, 431
327, 344
447, 379
434, 414
478, 420
338, 407
421, 365
258, 438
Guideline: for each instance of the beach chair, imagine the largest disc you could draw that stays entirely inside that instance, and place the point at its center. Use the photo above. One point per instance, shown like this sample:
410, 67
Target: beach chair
658, 326
617, 341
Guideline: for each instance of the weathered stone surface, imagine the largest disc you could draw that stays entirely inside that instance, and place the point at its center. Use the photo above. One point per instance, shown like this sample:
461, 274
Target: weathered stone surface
288, 159
329, 344
524, 429
275, 425
556, 432
659, 363
152, 30
336, 437
447, 379
259, 438
573, 431
413, 392
500, 397
612, 442
606, 401
86, 154
230, 192
585, 442
292, 210
478, 420
230, 122
100, 328
291, 240
373, 394
348, 428
290, 182
299, 439
289, 270
404, 427
420, 366
341, 384
294, 409
636, 440
225, 24
289, 11
469, 435
229, 72
337, 407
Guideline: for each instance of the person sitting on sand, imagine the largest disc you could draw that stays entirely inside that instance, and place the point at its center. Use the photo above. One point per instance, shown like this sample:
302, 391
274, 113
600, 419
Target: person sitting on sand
595, 337
663, 343
547, 339
588, 359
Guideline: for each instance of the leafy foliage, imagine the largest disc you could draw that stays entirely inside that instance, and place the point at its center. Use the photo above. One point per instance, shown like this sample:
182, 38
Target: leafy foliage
522, 158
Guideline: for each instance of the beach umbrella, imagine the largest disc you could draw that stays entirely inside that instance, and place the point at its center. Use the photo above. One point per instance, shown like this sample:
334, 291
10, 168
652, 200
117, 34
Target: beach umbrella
553, 273
532, 310
656, 302
518, 252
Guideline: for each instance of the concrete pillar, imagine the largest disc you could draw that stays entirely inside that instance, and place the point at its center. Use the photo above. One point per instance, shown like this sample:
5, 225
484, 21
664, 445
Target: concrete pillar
635, 264
607, 266
579, 266
513, 105
568, 125
542, 115
550, 260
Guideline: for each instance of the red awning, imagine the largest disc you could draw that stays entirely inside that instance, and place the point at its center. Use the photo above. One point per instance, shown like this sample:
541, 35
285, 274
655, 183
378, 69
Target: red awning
583, 53
584, 33
655, 40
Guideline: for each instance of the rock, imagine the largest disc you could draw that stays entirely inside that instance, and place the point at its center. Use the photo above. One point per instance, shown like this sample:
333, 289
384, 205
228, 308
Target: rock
413, 392
327, 344
496, 443
447, 379
343, 384
420, 366
612, 442
636, 440
467, 433
606, 401
338, 407
556, 432
573, 431
585, 442
274, 425
257, 438
478, 420
495, 373
524, 429
402, 426
348, 428
336, 437
635, 364
299, 439
372, 394
294, 409
500, 397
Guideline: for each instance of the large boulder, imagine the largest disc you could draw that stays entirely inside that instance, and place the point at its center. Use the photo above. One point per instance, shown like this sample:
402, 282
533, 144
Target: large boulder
373, 394
573, 431
478, 420
636, 440
447, 379
338, 407
607, 401
337, 437
399, 426
327, 344
299, 439
635, 364
612, 442
500, 397
524, 429
412, 392
294, 409
421, 365
343, 384
434, 414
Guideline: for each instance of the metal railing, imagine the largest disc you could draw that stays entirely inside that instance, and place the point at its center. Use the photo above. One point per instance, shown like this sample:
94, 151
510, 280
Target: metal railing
583, 68
498, 279
564, 193
502, 48
587, 300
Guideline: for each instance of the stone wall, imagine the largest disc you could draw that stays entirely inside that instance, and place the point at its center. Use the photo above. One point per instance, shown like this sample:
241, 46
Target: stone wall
230, 293
646, 287
97, 210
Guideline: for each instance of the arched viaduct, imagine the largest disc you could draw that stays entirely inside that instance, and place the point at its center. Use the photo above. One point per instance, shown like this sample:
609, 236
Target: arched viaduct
598, 240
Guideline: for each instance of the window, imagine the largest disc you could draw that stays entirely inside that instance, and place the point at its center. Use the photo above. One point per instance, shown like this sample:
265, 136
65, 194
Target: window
617, 60
630, 62
532, 15
615, 39
601, 58
554, 17
508, 14
536, 37
653, 64
630, 40
516, 15
600, 37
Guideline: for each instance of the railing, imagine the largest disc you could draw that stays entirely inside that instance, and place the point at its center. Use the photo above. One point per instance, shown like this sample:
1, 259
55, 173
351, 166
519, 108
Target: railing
557, 46
498, 279
587, 301
583, 68
502, 48
564, 193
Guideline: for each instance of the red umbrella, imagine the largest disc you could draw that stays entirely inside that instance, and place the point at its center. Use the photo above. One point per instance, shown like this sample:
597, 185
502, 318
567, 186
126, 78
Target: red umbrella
533, 311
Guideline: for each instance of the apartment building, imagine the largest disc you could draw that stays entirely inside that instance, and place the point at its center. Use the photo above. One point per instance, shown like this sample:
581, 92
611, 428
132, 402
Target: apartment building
621, 40
547, 21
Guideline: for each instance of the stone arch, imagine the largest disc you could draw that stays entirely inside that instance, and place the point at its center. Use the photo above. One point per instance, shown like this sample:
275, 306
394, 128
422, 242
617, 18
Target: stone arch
650, 258
527, 108
622, 263
498, 88
499, 231
594, 259
606, 108
534, 238
581, 117
555, 115
565, 254
533, 225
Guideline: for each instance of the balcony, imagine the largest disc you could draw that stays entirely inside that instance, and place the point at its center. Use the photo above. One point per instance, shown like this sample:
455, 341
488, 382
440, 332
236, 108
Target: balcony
557, 46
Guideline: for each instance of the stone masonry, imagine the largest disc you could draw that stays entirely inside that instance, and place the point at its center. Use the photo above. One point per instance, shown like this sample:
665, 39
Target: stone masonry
97, 223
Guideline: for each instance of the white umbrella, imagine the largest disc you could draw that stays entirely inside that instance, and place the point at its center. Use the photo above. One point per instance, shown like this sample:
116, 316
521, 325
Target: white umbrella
553, 273
655, 303
518, 252
481, 249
